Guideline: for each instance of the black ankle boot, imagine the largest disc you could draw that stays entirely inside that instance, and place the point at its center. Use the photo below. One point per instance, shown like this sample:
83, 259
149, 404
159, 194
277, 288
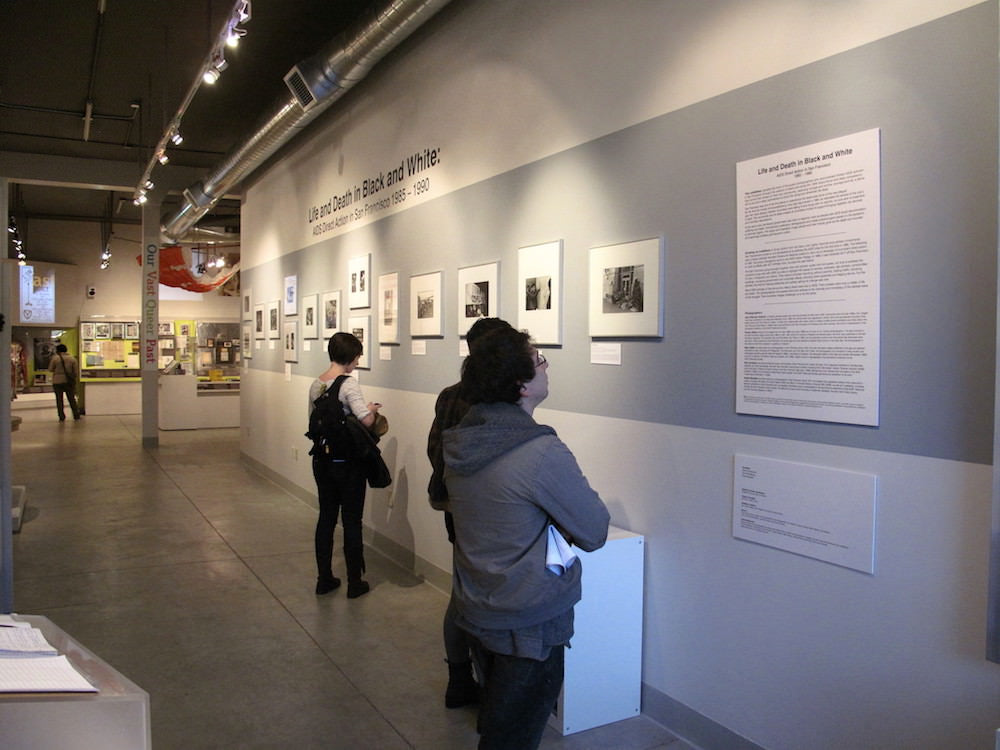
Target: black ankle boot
357, 588
463, 690
326, 585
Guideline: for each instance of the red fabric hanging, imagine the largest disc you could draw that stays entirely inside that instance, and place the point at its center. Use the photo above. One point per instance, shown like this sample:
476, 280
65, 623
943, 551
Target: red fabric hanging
175, 270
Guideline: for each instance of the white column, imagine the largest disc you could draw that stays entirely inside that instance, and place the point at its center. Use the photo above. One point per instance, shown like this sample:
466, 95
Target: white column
150, 296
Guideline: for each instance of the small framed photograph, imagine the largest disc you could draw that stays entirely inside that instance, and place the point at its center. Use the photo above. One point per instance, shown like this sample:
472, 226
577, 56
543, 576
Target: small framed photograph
626, 289
259, 324
291, 296
310, 316
246, 345
290, 336
165, 329
425, 304
388, 308
360, 326
86, 330
131, 330
478, 293
273, 322
247, 304
359, 272
117, 330
331, 311
102, 330
539, 278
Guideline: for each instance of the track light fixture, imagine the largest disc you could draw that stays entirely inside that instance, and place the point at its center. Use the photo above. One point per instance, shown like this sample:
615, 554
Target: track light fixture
229, 35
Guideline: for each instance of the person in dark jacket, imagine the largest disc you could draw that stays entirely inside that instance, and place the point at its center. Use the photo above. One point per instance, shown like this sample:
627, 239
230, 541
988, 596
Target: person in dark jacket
509, 480
65, 374
449, 409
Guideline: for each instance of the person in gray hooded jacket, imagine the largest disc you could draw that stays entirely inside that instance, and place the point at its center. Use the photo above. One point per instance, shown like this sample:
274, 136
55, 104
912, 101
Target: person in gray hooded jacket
509, 478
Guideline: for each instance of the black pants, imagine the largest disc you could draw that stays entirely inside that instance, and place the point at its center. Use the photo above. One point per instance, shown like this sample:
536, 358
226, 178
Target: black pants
341, 488
70, 390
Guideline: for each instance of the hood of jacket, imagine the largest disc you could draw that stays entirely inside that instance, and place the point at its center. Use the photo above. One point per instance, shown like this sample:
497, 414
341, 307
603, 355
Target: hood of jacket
487, 432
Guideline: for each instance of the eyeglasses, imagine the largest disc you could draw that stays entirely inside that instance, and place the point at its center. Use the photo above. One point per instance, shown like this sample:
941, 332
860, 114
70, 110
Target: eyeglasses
540, 360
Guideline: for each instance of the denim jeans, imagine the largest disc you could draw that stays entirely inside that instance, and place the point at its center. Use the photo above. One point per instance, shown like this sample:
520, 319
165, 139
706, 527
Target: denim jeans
520, 696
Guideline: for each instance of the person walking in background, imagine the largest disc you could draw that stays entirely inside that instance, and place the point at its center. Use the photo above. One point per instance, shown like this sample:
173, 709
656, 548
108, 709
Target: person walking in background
340, 482
449, 409
65, 373
511, 484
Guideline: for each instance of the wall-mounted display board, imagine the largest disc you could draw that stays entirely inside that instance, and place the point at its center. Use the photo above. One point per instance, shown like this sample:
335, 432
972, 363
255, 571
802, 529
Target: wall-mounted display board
808, 283
109, 349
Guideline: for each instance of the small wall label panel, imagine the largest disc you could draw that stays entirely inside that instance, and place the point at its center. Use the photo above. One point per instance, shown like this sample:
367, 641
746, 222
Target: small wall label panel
815, 511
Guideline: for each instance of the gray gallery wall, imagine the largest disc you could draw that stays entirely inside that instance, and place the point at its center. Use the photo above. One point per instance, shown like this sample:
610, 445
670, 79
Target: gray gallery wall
931, 90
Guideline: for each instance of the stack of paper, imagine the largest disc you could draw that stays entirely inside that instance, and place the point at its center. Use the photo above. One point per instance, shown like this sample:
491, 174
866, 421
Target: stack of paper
29, 663
24, 642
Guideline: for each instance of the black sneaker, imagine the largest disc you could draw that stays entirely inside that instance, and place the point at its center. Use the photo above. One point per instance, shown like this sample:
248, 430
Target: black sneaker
326, 585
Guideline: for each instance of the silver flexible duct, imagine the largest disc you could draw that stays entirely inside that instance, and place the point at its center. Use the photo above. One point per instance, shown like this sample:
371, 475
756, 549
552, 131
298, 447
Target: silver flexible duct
316, 83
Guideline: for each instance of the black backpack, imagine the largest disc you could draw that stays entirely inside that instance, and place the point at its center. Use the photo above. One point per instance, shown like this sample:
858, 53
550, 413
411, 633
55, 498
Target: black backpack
329, 430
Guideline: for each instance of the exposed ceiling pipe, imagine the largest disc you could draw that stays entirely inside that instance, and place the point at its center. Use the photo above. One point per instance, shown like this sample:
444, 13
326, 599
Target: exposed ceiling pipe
316, 83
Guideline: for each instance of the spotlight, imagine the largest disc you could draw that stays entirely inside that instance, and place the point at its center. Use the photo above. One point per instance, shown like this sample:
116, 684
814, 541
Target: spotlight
210, 76
149, 185
12, 226
177, 139
243, 11
139, 199
234, 36
162, 157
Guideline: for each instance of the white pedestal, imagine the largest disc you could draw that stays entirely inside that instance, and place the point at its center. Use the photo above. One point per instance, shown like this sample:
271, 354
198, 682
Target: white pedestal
113, 397
115, 718
184, 407
603, 674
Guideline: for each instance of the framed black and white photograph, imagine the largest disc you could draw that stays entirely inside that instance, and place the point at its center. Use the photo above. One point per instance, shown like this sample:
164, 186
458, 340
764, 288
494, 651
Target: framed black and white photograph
131, 330
259, 321
478, 294
164, 329
117, 330
425, 304
626, 289
360, 326
388, 308
247, 304
273, 322
290, 340
310, 316
331, 311
102, 330
86, 330
539, 291
291, 296
359, 272
247, 344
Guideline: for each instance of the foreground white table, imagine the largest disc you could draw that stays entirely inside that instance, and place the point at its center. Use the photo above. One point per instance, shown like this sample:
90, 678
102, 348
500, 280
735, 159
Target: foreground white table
115, 718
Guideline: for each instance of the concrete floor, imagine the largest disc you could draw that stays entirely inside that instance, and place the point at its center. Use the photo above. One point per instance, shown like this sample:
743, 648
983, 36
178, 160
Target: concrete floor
194, 577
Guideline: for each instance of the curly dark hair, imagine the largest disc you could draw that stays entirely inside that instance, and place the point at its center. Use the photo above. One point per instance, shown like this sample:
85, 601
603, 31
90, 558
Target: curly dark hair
497, 366
344, 348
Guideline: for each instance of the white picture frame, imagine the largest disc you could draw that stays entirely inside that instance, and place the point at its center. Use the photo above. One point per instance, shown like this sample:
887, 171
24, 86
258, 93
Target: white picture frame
86, 330
248, 308
332, 312
359, 281
273, 320
290, 340
425, 304
539, 291
310, 316
478, 294
626, 289
246, 346
388, 308
291, 296
360, 326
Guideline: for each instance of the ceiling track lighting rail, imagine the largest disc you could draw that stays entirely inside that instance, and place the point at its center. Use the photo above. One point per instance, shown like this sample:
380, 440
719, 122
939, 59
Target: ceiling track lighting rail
228, 36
